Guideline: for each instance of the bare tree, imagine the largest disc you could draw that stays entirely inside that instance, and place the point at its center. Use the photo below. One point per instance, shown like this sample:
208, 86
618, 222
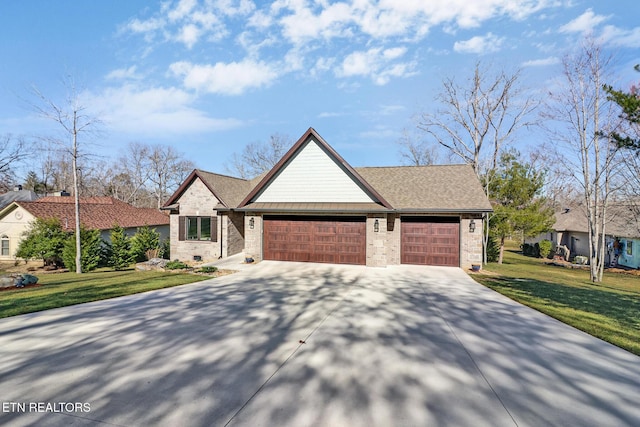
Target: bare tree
12, 152
75, 123
167, 170
579, 114
259, 157
478, 119
415, 151
134, 168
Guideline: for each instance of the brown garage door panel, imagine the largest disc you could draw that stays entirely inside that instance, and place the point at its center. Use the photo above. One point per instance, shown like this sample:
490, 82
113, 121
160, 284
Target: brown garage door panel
430, 243
328, 240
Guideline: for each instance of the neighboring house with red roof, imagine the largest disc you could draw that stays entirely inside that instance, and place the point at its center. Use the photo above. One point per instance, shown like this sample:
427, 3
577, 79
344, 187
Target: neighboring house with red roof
314, 207
96, 213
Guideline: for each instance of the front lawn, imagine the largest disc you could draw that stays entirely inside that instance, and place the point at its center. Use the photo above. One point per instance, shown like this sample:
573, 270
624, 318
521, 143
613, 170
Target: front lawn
609, 310
62, 289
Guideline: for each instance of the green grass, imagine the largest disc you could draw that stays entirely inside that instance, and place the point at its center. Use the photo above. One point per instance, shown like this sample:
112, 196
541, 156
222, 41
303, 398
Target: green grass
609, 310
63, 289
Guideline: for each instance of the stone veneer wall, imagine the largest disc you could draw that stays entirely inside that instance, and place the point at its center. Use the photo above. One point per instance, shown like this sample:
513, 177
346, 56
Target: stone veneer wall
197, 200
470, 243
393, 239
253, 238
376, 241
233, 242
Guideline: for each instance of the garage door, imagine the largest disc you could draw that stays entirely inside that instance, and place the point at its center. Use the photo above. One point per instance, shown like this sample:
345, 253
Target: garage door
430, 241
336, 240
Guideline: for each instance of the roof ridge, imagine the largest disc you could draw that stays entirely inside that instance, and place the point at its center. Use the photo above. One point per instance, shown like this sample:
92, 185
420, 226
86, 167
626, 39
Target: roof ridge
412, 166
222, 175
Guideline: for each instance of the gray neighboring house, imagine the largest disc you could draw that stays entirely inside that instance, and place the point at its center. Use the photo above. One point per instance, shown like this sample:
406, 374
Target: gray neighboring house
17, 195
314, 207
622, 234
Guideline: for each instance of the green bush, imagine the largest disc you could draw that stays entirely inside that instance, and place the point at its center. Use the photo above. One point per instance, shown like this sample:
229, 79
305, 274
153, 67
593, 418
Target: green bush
493, 250
544, 248
44, 239
208, 269
91, 245
120, 255
529, 250
145, 239
176, 265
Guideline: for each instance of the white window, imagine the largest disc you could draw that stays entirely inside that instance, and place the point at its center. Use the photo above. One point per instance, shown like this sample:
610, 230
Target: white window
4, 245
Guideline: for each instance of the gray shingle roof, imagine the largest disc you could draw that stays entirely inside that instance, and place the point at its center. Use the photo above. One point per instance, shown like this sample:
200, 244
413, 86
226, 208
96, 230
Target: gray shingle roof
623, 221
441, 188
438, 188
314, 207
16, 196
230, 190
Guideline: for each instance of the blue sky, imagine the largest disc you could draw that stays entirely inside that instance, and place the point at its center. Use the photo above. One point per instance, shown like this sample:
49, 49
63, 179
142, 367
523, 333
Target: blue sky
210, 76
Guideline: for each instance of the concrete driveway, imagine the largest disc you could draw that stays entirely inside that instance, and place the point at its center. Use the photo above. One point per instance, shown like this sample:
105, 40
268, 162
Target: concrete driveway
289, 344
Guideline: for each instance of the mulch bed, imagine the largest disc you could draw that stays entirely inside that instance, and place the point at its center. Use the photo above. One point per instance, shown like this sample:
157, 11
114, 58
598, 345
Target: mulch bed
13, 288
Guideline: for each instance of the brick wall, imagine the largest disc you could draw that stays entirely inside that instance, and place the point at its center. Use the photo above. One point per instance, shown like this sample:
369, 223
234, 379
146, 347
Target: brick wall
376, 241
470, 243
393, 239
253, 237
197, 200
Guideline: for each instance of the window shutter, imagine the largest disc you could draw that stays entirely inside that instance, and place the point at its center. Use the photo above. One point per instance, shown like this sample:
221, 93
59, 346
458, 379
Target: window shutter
214, 228
181, 228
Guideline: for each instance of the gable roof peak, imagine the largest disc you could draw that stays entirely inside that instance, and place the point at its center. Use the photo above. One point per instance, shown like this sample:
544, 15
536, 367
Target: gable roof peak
312, 134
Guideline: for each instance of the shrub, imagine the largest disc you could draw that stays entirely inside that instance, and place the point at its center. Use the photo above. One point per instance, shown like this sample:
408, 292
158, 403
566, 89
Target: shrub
120, 256
91, 250
144, 240
176, 265
166, 249
544, 248
529, 250
493, 250
208, 269
44, 239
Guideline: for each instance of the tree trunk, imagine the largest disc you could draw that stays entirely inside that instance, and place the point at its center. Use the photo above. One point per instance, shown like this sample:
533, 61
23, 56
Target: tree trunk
501, 253
76, 195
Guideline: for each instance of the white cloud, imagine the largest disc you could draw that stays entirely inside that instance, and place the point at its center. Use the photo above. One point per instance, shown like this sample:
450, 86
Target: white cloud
153, 111
551, 60
124, 73
183, 9
620, 37
189, 35
232, 78
479, 44
376, 63
584, 23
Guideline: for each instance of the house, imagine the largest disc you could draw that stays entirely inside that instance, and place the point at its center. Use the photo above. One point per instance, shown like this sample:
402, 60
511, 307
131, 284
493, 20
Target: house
622, 234
312, 206
18, 194
96, 213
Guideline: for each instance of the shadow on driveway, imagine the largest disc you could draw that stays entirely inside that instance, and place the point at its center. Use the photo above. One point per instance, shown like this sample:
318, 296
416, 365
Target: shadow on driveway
308, 344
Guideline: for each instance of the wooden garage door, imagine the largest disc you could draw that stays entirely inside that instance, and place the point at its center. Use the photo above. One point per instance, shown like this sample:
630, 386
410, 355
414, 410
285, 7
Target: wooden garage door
430, 241
336, 240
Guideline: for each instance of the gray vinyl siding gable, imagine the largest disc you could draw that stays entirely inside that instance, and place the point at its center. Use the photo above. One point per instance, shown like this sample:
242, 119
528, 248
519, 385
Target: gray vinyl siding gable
313, 176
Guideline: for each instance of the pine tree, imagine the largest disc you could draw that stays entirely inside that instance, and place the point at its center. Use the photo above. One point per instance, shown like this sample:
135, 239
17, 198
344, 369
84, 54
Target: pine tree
120, 255
146, 239
518, 204
91, 253
629, 102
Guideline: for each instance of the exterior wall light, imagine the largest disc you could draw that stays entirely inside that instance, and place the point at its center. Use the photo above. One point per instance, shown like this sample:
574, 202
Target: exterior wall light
376, 226
472, 226
252, 223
